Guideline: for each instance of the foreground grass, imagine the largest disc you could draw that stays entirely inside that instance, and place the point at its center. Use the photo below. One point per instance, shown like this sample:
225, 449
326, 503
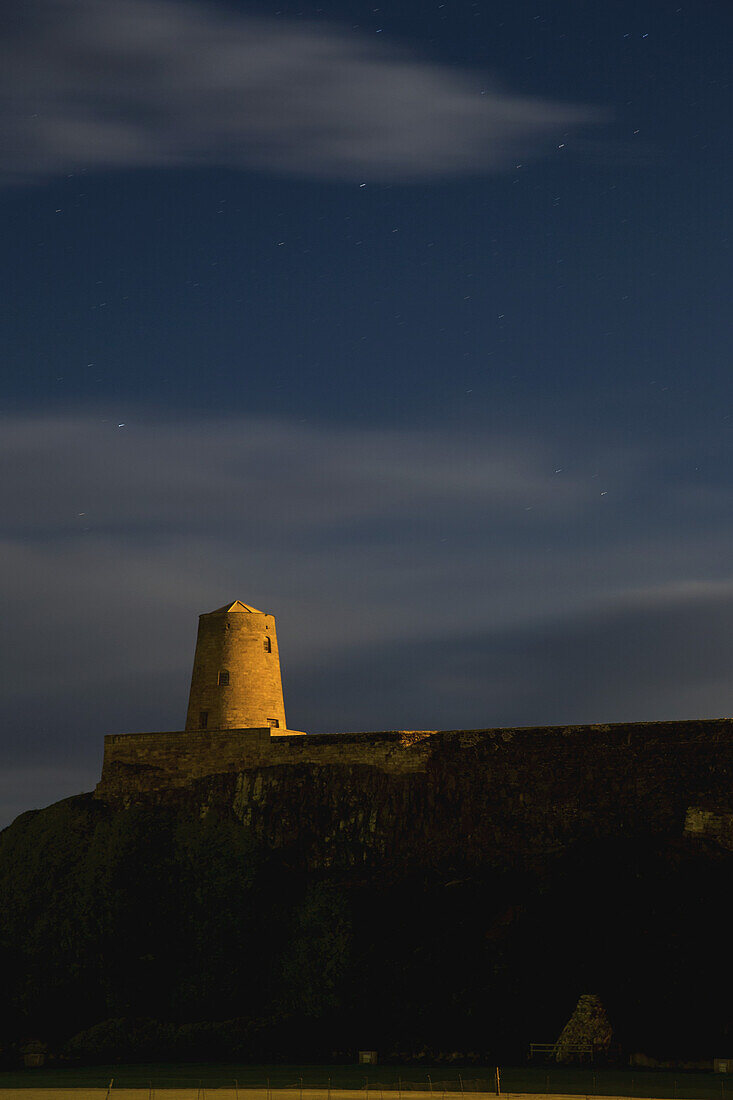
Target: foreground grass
533, 1079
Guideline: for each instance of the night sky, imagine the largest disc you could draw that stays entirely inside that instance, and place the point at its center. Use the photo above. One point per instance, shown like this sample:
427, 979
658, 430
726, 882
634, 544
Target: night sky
408, 323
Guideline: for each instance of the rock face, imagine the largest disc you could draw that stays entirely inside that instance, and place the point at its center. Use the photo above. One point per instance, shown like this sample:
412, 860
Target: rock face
472, 797
707, 824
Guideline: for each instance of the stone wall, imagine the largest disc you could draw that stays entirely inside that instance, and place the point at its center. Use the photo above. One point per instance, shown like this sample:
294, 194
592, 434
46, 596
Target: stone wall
139, 762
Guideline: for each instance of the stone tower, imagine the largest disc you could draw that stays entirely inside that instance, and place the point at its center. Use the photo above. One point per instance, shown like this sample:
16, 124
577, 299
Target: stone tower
236, 681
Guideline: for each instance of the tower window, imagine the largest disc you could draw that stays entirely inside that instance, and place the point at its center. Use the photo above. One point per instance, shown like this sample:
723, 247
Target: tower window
203, 719
273, 723
223, 678
267, 643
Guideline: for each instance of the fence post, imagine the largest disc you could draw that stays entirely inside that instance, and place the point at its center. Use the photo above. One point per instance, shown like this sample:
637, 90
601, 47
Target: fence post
399, 1087
236, 1090
498, 1082
460, 1078
329, 1088
268, 1089
301, 1088
430, 1082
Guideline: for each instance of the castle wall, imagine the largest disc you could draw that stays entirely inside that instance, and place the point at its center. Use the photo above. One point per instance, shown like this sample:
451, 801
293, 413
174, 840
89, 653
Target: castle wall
179, 757
139, 762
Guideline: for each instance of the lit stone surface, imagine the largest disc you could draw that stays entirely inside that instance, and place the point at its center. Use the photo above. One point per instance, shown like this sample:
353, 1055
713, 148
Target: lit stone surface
236, 681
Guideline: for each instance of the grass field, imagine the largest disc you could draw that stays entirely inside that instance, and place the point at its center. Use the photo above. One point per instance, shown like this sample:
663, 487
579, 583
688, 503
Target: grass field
538, 1080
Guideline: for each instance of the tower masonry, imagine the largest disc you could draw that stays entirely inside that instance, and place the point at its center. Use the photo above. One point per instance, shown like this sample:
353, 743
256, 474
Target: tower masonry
236, 681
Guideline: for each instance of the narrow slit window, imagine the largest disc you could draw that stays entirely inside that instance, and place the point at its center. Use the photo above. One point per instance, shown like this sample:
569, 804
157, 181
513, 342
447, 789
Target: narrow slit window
203, 719
223, 678
267, 643
273, 723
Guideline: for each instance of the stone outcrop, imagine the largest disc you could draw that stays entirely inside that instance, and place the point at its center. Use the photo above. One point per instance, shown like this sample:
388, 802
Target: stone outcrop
588, 1031
709, 824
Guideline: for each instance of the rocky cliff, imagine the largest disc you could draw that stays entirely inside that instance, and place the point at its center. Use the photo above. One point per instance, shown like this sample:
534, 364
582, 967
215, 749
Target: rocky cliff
473, 797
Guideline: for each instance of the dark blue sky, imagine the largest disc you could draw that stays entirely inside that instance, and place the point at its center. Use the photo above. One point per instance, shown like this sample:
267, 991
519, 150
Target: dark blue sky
409, 323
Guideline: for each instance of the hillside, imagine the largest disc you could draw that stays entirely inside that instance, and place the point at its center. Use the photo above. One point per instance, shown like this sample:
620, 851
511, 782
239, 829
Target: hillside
294, 912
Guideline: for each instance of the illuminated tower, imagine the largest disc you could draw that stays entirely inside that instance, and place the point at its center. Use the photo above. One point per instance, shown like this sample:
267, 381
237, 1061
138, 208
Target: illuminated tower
236, 681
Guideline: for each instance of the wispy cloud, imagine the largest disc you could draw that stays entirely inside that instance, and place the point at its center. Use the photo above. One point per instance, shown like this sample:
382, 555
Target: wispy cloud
104, 84
647, 654
177, 477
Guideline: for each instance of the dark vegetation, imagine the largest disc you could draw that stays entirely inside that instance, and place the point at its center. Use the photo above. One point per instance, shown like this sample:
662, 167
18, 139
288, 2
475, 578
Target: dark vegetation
146, 934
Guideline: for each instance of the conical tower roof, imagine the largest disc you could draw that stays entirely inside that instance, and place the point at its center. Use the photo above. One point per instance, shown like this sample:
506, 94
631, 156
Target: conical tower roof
236, 606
